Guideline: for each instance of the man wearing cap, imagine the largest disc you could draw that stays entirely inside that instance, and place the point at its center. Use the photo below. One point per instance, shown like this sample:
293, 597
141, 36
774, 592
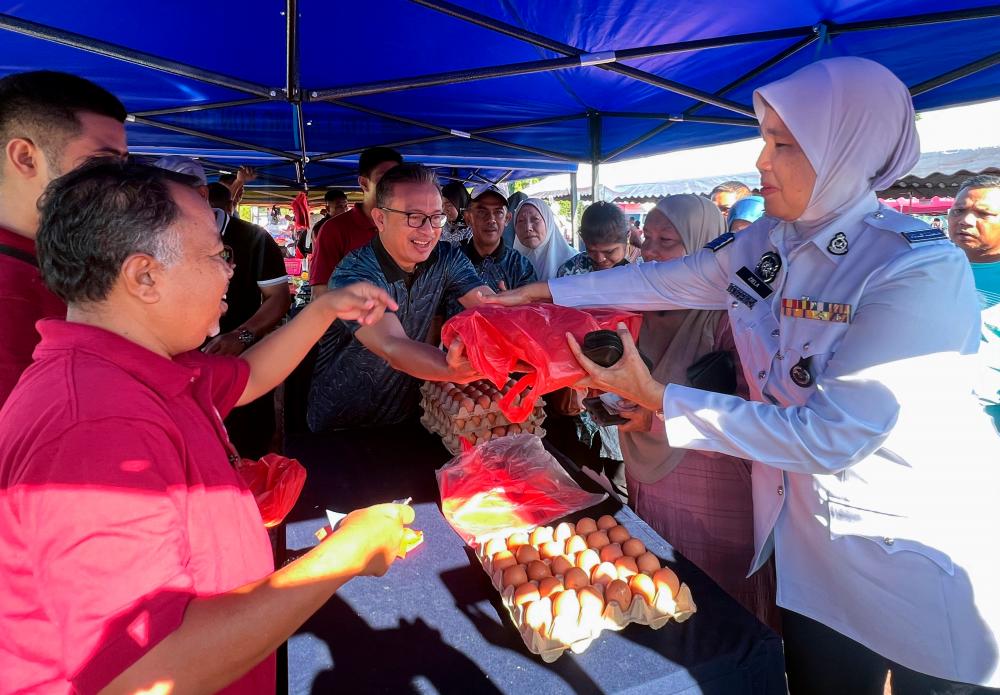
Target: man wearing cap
369, 375
499, 265
342, 234
50, 123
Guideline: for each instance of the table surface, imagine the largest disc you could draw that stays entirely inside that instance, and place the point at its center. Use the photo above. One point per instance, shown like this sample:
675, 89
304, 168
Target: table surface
435, 624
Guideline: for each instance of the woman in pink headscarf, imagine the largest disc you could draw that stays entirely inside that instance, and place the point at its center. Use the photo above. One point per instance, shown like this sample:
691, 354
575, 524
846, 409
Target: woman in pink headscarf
875, 471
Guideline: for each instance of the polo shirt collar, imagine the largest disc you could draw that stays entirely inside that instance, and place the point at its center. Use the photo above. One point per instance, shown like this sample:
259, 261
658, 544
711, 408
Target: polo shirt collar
16, 241
470, 250
391, 270
162, 375
363, 220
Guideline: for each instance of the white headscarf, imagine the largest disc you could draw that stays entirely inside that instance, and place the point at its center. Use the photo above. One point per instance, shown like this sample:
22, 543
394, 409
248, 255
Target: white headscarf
855, 123
553, 251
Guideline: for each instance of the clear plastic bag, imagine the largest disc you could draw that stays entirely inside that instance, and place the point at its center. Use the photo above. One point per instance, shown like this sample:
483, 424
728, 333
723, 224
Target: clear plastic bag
530, 339
276, 482
506, 484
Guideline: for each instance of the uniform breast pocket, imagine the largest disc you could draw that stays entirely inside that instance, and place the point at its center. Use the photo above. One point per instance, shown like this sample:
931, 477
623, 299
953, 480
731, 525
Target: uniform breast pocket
810, 348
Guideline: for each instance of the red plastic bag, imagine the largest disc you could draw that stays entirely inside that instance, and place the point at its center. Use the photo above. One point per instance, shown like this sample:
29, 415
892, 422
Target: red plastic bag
532, 339
507, 484
275, 482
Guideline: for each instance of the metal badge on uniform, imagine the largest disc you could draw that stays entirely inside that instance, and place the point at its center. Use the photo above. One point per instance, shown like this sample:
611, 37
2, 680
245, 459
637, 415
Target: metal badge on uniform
838, 244
922, 235
806, 308
756, 284
801, 374
741, 296
720, 241
769, 266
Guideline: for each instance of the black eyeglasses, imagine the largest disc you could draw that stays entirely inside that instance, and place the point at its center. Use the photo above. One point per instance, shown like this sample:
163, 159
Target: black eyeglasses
418, 219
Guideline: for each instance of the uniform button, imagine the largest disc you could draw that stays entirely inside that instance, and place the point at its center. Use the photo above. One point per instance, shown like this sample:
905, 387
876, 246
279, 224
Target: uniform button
780, 356
781, 489
888, 541
806, 346
879, 215
775, 333
734, 304
761, 374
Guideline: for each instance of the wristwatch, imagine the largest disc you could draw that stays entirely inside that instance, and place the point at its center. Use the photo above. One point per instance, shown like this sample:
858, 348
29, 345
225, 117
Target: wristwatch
246, 337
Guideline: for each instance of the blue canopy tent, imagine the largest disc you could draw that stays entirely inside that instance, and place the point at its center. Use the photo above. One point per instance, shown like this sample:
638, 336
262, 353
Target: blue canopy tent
486, 90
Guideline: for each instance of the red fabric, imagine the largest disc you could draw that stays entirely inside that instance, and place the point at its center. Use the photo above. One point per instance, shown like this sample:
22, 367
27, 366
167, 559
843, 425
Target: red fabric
300, 210
275, 482
117, 506
532, 339
336, 238
23, 301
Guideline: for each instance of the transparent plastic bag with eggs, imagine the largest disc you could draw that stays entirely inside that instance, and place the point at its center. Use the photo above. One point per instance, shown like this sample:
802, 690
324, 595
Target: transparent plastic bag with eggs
506, 484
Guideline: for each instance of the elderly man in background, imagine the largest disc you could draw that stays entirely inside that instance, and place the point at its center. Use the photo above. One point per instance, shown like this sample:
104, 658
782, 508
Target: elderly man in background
50, 123
129, 546
727, 194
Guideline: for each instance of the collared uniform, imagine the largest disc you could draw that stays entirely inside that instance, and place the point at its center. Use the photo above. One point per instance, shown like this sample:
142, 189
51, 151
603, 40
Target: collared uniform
876, 471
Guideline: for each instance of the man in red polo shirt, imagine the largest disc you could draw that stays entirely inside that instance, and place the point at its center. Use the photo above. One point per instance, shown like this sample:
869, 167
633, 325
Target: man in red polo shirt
50, 122
131, 554
342, 234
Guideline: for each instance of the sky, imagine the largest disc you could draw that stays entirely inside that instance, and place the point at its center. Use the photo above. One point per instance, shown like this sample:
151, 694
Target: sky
961, 127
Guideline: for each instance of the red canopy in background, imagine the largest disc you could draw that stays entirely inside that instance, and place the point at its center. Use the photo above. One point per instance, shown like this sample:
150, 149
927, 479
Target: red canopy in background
919, 206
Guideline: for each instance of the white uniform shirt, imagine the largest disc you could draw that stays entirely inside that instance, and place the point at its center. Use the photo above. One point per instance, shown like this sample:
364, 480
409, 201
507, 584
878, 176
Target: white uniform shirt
876, 476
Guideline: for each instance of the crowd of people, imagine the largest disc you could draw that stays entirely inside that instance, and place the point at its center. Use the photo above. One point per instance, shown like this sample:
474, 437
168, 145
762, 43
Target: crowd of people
810, 413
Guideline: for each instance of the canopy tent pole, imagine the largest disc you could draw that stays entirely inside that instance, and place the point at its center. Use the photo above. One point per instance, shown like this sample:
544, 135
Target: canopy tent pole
595, 163
956, 74
201, 107
681, 118
209, 136
574, 204
293, 91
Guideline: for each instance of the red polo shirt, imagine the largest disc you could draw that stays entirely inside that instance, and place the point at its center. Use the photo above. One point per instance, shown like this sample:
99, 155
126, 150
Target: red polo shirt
23, 301
118, 505
338, 237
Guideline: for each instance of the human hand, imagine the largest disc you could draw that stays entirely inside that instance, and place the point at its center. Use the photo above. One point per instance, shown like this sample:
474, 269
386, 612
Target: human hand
535, 292
628, 377
224, 344
639, 420
379, 530
460, 369
246, 174
359, 302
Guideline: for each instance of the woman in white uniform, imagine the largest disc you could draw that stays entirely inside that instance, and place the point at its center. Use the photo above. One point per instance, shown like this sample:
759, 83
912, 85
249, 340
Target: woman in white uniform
876, 474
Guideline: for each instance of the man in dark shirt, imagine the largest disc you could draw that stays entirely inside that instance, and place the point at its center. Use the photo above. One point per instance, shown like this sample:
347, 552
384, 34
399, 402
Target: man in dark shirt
342, 234
336, 204
50, 123
499, 265
367, 377
258, 300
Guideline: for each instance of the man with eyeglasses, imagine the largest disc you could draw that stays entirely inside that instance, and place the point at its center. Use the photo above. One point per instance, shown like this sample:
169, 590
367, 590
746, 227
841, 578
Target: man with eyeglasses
974, 226
499, 265
369, 375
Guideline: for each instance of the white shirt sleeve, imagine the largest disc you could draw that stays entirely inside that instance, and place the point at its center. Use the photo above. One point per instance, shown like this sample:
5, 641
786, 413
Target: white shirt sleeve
697, 281
901, 354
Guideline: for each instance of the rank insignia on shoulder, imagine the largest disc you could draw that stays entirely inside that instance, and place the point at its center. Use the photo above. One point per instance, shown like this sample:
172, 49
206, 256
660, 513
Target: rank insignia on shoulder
921, 235
838, 244
720, 241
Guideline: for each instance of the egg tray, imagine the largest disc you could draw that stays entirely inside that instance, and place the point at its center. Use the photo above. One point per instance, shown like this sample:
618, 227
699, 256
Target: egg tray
445, 423
664, 608
436, 398
453, 440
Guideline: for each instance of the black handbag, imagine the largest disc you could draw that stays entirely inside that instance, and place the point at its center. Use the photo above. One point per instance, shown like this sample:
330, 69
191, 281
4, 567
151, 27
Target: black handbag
714, 371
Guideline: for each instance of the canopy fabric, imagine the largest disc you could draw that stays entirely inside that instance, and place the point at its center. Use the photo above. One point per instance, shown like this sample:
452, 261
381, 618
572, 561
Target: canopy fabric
482, 89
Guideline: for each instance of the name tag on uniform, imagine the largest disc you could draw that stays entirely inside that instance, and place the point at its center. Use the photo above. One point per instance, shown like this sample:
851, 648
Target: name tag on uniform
757, 284
806, 308
741, 296
924, 235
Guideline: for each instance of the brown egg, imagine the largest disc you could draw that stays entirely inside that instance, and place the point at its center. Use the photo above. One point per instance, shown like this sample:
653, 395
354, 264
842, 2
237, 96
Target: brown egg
586, 525
633, 547
516, 540
468, 405
483, 402
526, 554
566, 603
560, 565
587, 560
597, 540
618, 534
564, 531
542, 534
495, 545
648, 563
514, 576
604, 574
642, 585
611, 552
549, 586
551, 549
574, 545
503, 560
538, 570
576, 578
666, 580
605, 522
626, 567
526, 593
538, 614
591, 604
618, 592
